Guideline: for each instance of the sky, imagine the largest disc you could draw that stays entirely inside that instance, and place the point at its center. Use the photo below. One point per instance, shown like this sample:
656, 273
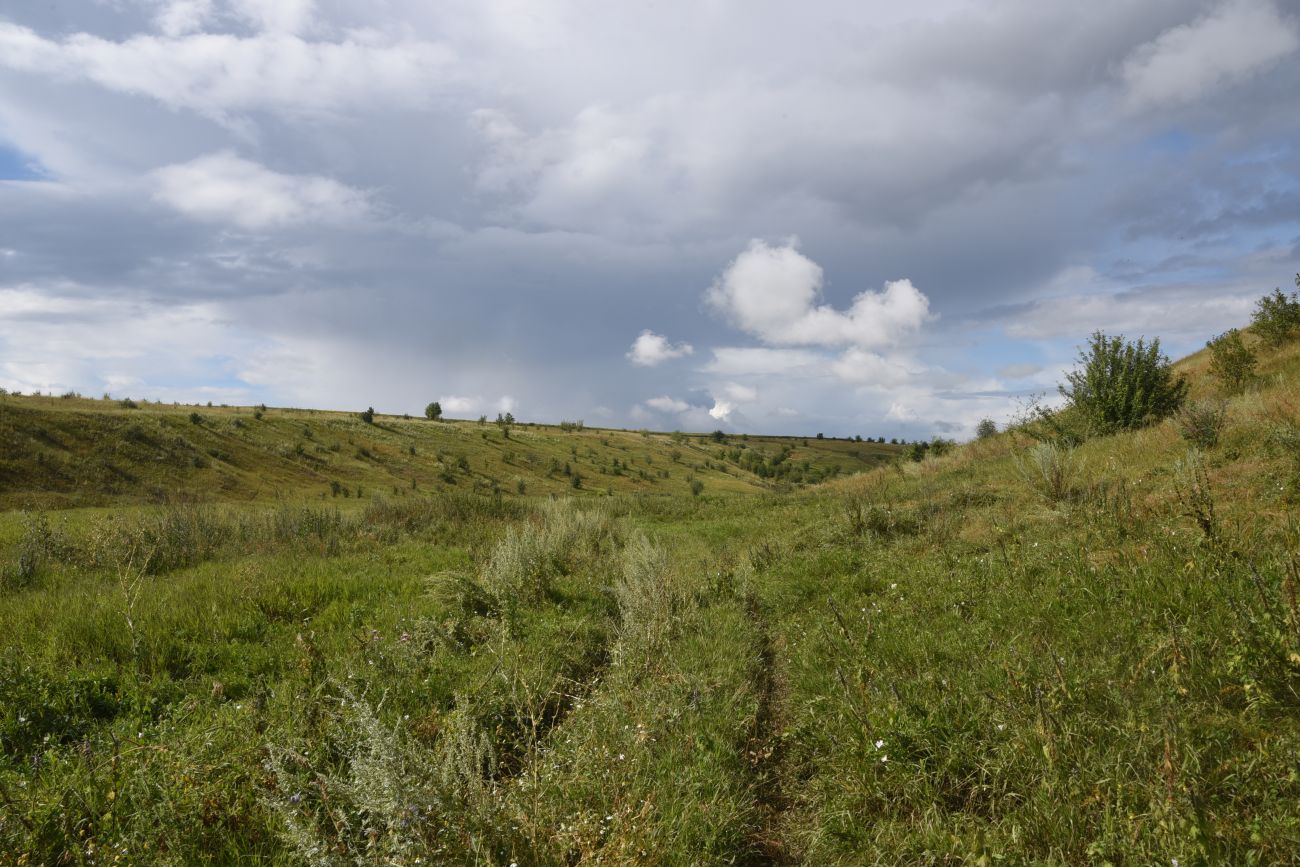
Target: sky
858, 218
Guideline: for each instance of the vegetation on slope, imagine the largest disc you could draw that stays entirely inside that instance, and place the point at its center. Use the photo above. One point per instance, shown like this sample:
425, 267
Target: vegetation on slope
71, 451
1029, 649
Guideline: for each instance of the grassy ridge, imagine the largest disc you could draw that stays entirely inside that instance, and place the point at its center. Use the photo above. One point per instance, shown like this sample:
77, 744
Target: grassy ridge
1006, 653
60, 452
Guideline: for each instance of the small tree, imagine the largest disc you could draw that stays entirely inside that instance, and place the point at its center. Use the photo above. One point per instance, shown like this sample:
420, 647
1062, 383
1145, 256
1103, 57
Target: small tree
1122, 385
433, 412
986, 428
368, 416
1277, 316
1231, 362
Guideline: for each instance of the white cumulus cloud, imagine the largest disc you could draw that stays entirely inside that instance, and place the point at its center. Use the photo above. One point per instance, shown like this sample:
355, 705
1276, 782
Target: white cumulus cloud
218, 73
1217, 50
650, 349
668, 404
226, 188
772, 292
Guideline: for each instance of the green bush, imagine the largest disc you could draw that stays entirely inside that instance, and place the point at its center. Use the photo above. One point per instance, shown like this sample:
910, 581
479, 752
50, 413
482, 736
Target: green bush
368, 416
986, 428
1277, 316
1231, 361
1122, 385
433, 411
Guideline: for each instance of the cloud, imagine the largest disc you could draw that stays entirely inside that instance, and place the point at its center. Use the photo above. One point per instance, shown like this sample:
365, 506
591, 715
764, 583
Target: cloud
722, 410
650, 349
1019, 370
668, 404
454, 404
1173, 313
740, 393
180, 17
869, 368
772, 292
225, 188
218, 73
276, 16
1217, 50
759, 360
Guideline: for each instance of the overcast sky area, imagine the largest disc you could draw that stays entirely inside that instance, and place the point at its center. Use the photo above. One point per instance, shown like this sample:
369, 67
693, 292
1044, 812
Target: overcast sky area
868, 218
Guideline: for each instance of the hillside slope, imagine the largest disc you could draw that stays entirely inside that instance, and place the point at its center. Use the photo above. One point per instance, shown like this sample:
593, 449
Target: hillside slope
1009, 653
58, 452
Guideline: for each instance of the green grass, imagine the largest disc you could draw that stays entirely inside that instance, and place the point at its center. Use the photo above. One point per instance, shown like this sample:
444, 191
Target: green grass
1089, 656
77, 452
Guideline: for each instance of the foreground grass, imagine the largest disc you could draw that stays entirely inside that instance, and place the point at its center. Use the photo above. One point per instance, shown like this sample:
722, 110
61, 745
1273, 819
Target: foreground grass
1091, 656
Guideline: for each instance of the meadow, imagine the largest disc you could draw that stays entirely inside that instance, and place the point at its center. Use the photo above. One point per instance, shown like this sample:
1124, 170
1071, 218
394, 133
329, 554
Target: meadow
1020, 650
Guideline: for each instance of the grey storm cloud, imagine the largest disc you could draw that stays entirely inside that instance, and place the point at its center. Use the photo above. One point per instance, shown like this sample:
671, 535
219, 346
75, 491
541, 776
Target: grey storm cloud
350, 205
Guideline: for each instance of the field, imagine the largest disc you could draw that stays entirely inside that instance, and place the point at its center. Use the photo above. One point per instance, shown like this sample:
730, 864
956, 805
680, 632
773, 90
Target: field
1007, 653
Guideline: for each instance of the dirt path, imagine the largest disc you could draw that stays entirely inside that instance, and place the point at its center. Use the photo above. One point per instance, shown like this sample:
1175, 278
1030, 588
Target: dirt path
766, 749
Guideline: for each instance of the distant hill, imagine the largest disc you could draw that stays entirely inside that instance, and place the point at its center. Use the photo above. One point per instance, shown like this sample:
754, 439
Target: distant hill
72, 451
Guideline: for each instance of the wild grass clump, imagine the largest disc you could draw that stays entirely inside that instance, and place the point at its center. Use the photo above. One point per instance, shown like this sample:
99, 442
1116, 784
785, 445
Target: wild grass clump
40, 544
1050, 469
1200, 422
650, 601
1195, 496
524, 564
362, 795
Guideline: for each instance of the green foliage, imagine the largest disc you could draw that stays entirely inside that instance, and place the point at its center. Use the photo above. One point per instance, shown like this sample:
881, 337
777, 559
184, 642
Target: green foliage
1277, 316
367, 415
1231, 361
433, 411
986, 428
697, 487
1122, 385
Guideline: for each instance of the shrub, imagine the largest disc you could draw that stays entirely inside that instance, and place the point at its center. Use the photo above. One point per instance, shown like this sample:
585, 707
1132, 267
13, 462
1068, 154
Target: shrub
1201, 421
697, 487
195, 418
1122, 385
1277, 316
986, 428
433, 411
127, 403
1231, 362
368, 416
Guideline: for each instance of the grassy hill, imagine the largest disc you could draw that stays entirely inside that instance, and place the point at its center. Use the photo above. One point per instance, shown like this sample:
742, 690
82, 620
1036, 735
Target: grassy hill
1010, 653
71, 451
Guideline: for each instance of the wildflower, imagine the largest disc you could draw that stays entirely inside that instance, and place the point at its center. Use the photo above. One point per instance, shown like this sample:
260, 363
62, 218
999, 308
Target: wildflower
879, 744
884, 759
295, 798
